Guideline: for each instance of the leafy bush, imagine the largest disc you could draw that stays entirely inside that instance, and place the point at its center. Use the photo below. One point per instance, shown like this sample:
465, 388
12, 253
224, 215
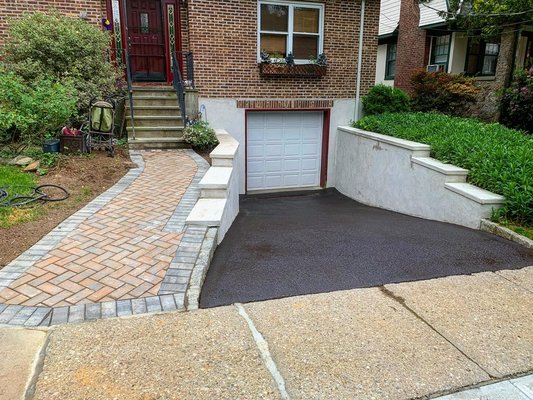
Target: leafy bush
64, 49
442, 92
517, 102
382, 99
31, 111
499, 159
200, 136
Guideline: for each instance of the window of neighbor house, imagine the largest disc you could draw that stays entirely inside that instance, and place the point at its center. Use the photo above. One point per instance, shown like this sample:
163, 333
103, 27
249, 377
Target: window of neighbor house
390, 67
286, 27
440, 50
482, 57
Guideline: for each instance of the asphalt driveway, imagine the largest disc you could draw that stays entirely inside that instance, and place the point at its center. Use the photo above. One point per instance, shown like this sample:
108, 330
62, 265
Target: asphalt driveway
294, 244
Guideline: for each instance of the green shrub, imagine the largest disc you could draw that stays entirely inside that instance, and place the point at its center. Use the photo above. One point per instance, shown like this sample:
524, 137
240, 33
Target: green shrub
499, 159
442, 92
200, 136
64, 49
31, 111
517, 102
382, 99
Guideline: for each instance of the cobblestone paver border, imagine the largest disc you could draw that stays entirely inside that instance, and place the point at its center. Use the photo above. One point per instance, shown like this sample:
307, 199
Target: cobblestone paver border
172, 295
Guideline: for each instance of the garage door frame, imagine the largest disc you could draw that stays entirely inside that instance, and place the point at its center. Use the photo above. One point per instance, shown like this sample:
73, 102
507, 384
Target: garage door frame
325, 139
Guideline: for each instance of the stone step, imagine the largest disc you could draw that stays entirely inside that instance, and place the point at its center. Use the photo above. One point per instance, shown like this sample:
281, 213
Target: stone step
207, 212
215, 183
452, 173
166, 121
157, 143
154, 111
143, 101
475, 193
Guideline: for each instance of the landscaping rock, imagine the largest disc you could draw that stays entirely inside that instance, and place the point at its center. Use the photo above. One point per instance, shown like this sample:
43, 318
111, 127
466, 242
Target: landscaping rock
21, 161
33, 166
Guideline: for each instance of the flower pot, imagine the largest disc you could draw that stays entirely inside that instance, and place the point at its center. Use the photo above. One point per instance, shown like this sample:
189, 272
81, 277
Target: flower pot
51, 146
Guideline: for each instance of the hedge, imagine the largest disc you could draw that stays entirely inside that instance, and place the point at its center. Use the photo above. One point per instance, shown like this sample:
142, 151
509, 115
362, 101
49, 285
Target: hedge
499, 159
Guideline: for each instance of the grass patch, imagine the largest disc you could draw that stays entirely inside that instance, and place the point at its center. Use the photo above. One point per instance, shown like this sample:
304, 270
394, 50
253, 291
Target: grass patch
499, 159
13, 176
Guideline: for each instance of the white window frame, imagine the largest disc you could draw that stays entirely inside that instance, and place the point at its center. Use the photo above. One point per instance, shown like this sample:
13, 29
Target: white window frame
290, 33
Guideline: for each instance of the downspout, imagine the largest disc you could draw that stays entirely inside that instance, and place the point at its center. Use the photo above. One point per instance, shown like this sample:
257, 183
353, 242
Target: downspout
357, 111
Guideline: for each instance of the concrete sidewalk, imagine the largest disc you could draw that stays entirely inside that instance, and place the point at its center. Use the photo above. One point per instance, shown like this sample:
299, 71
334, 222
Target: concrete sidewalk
404, 341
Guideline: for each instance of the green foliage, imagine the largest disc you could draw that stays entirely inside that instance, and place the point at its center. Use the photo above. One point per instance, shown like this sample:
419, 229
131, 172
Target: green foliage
65, 50
517, 102
442, 92
200, 136
491, 17
13, 176
382, 99
499, 159
29, 111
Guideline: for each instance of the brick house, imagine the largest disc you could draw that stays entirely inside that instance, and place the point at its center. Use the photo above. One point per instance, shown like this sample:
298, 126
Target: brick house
285, 119
413, 36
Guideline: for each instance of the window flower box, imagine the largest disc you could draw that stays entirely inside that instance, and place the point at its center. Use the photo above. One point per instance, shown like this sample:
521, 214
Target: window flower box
294, 70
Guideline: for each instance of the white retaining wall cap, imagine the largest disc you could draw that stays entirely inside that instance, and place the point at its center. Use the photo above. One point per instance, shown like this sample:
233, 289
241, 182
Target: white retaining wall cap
216, 178
207, 212
435, 165
228, 145
475, 193
406, 144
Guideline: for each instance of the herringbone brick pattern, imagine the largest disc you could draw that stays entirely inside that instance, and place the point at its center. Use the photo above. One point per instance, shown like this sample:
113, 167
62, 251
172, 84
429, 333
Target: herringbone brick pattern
121, 251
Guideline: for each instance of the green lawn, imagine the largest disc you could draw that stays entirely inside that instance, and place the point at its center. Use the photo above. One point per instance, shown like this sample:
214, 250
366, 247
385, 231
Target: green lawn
13, 176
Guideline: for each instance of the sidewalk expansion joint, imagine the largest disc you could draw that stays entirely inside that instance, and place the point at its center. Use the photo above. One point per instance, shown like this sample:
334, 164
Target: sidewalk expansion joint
37, 368
518, 285
262, 345
400, 300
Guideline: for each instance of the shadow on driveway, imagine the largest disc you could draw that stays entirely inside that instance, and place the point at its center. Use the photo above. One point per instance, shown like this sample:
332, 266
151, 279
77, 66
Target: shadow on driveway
288, 245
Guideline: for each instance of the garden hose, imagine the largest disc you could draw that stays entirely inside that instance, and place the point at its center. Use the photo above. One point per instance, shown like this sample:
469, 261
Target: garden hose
10, 198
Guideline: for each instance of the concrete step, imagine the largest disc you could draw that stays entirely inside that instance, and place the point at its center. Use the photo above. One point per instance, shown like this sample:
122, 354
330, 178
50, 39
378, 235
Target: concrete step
475, 193
207, 212
452, 173
215, 183
160, 121
155, 132
143, 101
154, 111
157, 143
154, 92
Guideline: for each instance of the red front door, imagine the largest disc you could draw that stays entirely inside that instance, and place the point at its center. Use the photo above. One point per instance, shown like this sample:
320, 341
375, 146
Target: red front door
148, 50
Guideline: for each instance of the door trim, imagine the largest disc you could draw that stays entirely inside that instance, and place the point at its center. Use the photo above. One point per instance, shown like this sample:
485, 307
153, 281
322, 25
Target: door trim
325, 140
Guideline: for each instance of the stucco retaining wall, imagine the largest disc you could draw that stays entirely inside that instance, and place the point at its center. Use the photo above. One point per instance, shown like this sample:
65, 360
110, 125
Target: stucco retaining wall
399, 175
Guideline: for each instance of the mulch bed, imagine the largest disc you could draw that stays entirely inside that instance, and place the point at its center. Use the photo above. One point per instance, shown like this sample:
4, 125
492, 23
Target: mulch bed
85, 178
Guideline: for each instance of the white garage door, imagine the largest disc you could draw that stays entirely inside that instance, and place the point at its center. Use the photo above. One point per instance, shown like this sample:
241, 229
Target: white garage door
284, 150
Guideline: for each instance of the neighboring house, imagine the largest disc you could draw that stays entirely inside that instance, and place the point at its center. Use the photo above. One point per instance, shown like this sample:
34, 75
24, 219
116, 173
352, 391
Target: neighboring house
286, 124
413, 36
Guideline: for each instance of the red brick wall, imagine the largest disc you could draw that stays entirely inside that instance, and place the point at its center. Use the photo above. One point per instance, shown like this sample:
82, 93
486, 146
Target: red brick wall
16, 8
223, 37
413, 45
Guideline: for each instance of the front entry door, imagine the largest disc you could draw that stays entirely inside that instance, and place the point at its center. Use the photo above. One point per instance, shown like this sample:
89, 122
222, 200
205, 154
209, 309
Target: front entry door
147, 51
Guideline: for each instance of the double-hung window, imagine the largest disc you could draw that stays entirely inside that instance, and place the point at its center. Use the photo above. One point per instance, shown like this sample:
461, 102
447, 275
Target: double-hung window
440, 51
290, 27
482, 57
390, 67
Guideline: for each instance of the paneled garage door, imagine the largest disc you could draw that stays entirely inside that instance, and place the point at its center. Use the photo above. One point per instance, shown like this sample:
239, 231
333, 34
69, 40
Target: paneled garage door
284, 150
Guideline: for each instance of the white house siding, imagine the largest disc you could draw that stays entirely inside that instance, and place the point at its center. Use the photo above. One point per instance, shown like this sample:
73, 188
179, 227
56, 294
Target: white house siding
458, 50
428, 14
380, 66
389, 16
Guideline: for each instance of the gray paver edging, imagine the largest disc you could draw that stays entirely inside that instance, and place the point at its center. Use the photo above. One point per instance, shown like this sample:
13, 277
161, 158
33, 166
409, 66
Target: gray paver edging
171, 297
506, 233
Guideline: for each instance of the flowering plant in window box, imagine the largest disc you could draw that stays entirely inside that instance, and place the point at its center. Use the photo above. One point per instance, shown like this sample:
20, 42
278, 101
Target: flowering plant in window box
286, 67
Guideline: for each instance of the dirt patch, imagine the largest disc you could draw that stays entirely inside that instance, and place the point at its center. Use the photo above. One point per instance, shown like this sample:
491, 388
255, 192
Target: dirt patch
85, 177
205, 154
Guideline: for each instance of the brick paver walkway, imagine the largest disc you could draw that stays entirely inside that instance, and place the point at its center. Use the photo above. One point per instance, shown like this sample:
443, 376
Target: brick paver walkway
121, 251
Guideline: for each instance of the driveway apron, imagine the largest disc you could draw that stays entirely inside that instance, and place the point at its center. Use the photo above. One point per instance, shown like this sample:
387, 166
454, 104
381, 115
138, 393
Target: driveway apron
295, 244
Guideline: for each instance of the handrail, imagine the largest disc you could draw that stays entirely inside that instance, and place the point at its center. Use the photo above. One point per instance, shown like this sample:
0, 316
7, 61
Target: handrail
128, 71
177, 82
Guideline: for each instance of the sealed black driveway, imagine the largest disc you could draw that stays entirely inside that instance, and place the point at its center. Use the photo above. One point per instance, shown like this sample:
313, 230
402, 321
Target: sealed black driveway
289, 245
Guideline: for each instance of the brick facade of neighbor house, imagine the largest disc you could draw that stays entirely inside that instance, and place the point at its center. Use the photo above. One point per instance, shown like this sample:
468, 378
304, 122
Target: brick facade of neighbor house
96, 9
413, 45
223, 38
